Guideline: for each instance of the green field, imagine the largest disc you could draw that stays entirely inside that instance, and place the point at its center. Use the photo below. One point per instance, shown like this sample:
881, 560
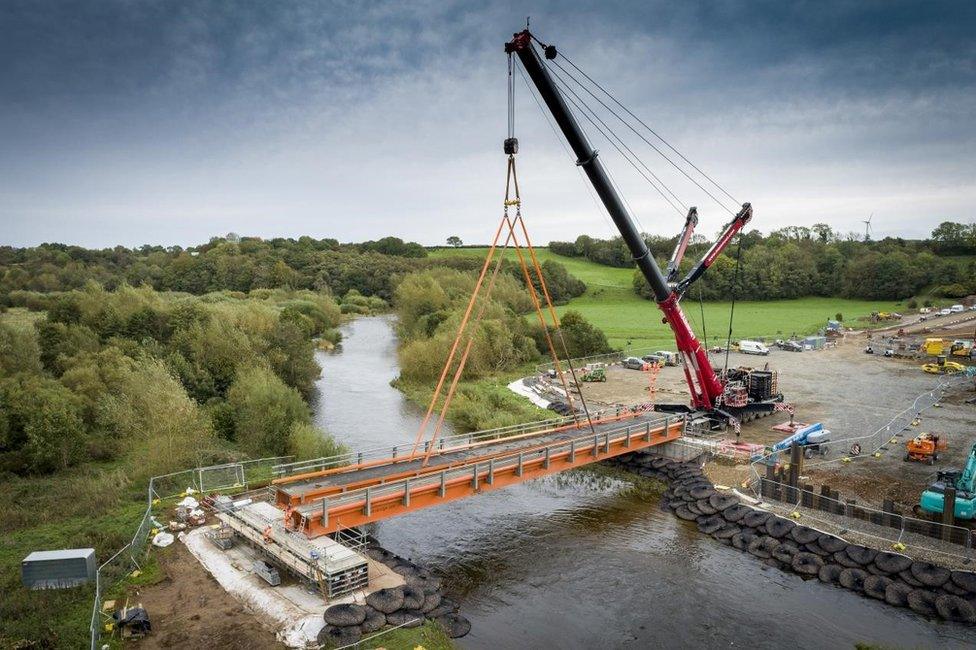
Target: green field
631, 322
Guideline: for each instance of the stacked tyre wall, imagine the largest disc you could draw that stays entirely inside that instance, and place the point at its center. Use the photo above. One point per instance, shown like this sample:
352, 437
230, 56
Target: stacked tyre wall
925, 588
410, 605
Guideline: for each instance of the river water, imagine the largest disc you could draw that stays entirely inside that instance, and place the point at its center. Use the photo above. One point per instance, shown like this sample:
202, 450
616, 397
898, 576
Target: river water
582, 560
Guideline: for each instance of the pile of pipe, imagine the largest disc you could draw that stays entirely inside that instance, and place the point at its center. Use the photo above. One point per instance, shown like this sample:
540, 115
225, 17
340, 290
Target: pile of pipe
925, 588
409, 605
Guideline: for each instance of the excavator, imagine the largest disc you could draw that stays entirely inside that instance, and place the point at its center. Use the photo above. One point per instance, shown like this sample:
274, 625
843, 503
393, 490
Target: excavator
723, 397
933, 499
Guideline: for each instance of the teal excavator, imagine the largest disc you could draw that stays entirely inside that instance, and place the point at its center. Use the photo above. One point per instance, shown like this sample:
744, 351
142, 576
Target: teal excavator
933, 499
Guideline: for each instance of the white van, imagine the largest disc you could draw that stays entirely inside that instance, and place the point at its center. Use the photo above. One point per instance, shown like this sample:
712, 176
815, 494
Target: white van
753, 347
957, 309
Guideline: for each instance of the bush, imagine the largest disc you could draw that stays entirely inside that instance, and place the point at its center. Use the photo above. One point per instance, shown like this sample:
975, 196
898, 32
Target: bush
265, 412
305, 442
912, 304
839, 317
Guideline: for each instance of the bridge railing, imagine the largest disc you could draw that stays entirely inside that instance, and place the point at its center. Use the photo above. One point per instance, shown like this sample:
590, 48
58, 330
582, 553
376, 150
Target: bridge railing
585, 443
445, 443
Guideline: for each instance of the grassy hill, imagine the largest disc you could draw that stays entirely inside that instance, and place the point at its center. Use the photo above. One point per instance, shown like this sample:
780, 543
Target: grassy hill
631, 322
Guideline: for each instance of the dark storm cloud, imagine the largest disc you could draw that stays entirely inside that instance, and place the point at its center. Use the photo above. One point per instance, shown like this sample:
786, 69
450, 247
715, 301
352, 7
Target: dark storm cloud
173, 121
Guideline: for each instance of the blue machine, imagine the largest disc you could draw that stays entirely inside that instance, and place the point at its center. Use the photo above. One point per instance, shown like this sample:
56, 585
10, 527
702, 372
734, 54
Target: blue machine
933, 499
812, 438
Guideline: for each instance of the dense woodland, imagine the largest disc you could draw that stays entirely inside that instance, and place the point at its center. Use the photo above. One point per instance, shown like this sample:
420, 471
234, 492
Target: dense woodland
796, 261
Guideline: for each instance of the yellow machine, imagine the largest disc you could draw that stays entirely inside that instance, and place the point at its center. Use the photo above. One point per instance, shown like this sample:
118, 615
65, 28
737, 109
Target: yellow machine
943, 367
961, 348
933, 346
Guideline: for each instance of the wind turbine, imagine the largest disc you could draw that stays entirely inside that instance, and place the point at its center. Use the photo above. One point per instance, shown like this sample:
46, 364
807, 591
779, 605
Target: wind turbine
867, 227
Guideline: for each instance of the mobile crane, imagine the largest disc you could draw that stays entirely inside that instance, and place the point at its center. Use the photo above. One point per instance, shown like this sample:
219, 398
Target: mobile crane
730, 397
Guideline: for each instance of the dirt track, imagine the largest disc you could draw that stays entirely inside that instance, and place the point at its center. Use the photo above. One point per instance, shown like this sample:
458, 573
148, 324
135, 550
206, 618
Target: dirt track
851, 393
189, 609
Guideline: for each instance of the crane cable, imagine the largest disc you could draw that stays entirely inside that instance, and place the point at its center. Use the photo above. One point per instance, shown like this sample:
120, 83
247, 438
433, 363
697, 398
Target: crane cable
656, 134
734, 291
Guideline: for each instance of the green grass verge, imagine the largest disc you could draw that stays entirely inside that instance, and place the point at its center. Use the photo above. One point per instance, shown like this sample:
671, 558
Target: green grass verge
429, 636
631, 322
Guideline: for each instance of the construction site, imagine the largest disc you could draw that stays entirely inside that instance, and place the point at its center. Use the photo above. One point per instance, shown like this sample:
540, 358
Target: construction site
832, 472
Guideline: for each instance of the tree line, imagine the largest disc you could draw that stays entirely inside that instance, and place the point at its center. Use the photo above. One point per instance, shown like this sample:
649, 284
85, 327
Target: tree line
797, 261
159, 381
240, 264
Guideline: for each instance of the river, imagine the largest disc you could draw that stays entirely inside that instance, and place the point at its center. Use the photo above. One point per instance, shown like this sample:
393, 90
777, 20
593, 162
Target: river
582, 560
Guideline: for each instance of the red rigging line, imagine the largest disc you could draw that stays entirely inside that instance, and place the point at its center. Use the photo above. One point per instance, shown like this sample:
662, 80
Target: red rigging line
705, 386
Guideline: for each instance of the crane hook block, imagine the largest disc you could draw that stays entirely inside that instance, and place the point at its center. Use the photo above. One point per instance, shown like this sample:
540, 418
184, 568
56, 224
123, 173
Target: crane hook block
511, 146
550, 52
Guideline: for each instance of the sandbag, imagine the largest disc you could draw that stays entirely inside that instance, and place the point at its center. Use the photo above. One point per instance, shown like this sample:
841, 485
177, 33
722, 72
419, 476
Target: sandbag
413, 597
345, 614
455, 625
965, 580
892, 562
843, 559
711, 524
722, 501
682, 512
831, 544
736, 513
778, 527
830, 573
853, 579
404, 618
860, 554
755, 518
705, 507
333, 636
922, 601
930, 575
726, 532
374, 621
876, 586
763, 547
743, 538
955, 608
785, 551
807, 563
896, 594
387, 600
804, 534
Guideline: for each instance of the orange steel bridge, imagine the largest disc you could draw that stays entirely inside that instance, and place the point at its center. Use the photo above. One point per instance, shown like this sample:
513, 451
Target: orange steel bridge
328, 495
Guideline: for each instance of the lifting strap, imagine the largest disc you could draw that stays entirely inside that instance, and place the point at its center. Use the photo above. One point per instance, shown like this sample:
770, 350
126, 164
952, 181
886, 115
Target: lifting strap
516, 234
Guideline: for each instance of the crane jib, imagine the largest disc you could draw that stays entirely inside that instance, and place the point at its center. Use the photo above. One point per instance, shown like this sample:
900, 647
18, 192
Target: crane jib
705, 386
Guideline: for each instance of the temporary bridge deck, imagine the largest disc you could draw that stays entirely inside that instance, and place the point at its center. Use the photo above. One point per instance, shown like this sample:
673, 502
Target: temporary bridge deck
328, 495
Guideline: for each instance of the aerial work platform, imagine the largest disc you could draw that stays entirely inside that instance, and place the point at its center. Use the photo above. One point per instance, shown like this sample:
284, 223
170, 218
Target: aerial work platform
329, 500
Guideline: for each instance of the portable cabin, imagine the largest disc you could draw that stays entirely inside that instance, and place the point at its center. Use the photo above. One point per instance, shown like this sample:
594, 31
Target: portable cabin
58, 569
934, 347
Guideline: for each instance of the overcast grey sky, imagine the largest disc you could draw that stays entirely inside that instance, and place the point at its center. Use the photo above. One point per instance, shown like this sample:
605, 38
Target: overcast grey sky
170, 122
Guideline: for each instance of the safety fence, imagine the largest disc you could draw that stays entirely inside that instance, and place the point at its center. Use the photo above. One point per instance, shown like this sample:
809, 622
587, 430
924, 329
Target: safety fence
879, 440
445, 443
579, 362
164, 490
886, 526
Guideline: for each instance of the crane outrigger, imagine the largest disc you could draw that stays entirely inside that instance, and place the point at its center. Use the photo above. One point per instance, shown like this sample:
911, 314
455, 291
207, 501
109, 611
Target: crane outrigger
713, 395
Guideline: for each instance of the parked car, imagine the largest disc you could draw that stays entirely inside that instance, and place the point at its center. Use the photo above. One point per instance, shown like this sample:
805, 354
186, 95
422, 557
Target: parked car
753, 347
633, 363
957, 309
656, 359
945, 312
928, 310
789, 346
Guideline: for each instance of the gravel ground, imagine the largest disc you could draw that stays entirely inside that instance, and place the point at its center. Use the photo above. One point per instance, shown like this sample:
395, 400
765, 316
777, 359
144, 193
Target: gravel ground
851, 393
